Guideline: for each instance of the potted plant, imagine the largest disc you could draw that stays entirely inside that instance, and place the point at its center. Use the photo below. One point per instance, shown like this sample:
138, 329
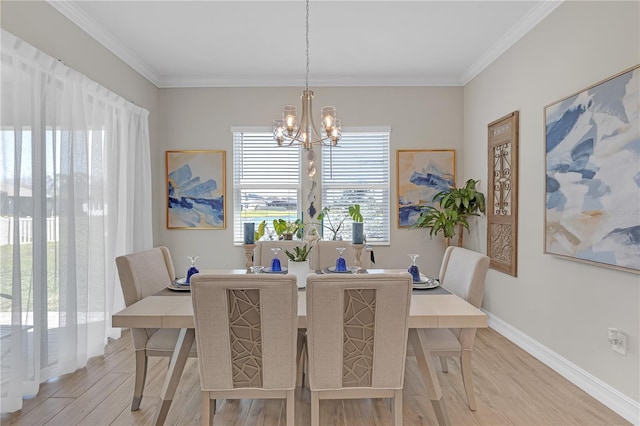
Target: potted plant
299, 262
286, 229
456, 205
335, 225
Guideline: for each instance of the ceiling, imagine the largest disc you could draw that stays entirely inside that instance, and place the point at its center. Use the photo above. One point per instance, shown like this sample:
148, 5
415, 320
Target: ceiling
262, 43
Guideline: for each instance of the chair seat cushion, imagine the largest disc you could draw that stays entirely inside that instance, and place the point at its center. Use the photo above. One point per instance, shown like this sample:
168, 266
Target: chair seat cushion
439, 339
164, 340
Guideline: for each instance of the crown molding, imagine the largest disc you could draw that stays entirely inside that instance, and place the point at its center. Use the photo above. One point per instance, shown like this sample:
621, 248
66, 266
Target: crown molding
522, 27
177, 81
104, 37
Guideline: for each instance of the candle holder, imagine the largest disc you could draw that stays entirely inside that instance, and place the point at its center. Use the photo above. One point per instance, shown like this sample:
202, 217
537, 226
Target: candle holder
248, 253
358, 254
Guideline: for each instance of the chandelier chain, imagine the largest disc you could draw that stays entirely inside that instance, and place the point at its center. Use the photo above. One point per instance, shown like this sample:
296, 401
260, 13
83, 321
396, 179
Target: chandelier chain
306, 79
294, 129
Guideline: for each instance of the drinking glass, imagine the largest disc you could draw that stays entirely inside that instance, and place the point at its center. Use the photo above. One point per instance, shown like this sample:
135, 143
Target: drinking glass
193, 269
413, 269
275, 262
257, 269
341, 264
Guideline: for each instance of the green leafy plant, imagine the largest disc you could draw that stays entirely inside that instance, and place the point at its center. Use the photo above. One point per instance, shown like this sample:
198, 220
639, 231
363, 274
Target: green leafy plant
335, 225
283, 227
354, 212
440, 221
456, 205
300, 253
259, 233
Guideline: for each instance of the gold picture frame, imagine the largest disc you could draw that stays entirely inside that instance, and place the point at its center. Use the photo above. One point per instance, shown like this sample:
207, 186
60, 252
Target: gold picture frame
196, 189
592, 166
420, 174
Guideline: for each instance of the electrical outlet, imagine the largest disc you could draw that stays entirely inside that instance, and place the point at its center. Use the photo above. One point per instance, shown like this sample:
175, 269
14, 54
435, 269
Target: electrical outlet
618, 341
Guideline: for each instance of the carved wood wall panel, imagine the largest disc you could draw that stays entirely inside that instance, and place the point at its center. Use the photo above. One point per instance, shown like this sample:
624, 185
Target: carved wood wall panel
502, 199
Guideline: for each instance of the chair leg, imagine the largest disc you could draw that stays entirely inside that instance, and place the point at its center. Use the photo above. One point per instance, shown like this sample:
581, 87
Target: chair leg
141, 375
443, 363
291, 403
315, 409
302, 359
467, 378
208, 409
397, 407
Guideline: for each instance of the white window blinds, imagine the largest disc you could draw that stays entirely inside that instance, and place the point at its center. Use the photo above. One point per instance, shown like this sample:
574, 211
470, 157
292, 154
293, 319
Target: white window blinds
357, 171
266, 179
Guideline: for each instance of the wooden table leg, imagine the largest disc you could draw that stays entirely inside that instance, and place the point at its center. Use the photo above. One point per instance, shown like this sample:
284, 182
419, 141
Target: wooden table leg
425, 363
176, 366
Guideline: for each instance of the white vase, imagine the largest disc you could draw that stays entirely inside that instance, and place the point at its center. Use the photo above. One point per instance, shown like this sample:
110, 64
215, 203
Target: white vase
300, 269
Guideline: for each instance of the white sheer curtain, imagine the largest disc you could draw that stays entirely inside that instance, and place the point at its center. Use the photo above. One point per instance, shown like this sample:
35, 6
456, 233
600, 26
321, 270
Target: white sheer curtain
75, 192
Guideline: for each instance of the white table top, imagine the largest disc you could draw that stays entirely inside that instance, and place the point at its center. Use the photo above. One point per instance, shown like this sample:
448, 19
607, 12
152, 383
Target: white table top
175, 311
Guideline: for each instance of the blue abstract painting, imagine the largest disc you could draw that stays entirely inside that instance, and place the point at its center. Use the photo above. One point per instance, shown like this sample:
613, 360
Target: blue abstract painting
592, 208
421, 175
195, 189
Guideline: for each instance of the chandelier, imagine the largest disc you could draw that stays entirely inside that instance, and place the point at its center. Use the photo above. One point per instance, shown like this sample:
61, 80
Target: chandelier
290, 129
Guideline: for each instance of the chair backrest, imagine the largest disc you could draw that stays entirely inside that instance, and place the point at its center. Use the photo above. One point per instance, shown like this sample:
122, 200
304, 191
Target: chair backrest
246, 330
262, 254
145, 273
463, 272
327, 254
357, 327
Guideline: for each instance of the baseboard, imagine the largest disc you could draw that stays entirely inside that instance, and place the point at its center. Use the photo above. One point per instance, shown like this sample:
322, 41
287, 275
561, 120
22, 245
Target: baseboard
612, 398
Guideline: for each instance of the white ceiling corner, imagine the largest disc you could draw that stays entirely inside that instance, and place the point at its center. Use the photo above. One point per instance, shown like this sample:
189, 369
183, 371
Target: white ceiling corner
104, 37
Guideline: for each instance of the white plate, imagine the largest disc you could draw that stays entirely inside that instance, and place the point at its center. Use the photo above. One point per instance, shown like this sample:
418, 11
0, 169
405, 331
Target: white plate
268, 271
175, 287
332, 269
425, 283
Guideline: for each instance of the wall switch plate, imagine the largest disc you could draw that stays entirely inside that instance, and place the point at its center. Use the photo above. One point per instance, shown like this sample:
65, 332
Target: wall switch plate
621, 346
618, 341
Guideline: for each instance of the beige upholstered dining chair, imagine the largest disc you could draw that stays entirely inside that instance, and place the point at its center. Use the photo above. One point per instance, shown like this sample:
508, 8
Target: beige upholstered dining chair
463, 273
142, 274
357, 327
262, 257
262, 254
327, 254
246, 330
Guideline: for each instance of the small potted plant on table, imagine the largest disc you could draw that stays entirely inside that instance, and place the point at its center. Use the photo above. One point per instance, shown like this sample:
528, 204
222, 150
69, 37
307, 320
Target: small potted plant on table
299, 262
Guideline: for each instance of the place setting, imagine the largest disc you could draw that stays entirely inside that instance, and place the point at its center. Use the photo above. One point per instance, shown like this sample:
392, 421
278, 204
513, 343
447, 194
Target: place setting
341, 265
420, 281
276, 266
184, 284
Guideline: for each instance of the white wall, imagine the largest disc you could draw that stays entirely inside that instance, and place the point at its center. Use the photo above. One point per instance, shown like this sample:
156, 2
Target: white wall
420, 118
566, 306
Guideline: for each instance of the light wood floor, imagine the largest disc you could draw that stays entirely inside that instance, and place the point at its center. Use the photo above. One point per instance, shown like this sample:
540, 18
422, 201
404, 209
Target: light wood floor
512, 388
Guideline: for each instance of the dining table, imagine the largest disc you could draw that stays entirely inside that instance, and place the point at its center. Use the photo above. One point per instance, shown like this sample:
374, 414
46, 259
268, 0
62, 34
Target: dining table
173, 309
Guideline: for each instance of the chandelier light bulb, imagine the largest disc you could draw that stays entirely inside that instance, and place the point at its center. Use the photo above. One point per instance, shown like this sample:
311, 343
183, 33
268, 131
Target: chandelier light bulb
278, 131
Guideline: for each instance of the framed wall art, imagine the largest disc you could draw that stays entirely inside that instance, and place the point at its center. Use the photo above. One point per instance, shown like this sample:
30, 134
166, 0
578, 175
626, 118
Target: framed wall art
421, 174
196, 189
592, 205
502, 197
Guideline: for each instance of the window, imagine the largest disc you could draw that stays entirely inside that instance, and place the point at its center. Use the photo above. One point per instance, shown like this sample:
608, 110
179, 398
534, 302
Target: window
358, 172
266, 179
